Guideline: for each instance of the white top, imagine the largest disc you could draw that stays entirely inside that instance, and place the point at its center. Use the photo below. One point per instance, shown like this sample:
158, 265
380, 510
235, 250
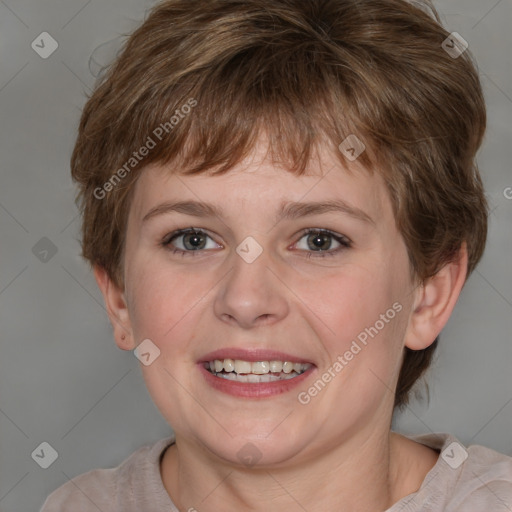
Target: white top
474, 479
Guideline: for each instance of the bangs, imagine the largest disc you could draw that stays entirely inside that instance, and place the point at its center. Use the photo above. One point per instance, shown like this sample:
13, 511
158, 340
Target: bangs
212, 120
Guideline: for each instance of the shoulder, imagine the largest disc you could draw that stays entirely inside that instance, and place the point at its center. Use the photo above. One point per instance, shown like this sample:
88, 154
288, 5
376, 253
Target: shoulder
473, 478
485, 480
103, 489
94, 490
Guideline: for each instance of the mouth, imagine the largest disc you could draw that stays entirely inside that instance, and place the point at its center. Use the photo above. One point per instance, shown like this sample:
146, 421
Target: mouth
254, 373
240, 370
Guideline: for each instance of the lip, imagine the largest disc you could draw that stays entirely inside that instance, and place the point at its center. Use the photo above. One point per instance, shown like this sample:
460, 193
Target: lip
253, 389
252, 355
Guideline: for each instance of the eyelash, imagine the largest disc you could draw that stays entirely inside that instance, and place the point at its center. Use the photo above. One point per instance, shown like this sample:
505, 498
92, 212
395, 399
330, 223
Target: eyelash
342, 240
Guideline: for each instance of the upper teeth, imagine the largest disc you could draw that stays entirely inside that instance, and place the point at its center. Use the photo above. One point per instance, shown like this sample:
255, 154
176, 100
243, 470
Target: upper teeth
258, 367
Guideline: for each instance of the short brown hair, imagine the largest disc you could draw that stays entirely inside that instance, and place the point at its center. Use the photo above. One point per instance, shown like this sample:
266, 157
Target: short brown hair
306, 73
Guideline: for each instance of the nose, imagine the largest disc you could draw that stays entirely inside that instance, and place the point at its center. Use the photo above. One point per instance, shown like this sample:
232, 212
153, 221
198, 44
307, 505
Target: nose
251, 295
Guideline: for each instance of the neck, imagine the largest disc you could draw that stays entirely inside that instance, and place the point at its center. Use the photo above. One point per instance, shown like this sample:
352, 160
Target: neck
362, 473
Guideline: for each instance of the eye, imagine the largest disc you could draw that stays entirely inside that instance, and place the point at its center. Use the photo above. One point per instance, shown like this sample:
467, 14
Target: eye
320, 241
188, 241
192, 241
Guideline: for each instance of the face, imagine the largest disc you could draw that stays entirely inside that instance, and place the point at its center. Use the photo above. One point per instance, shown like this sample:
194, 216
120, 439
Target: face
254, 286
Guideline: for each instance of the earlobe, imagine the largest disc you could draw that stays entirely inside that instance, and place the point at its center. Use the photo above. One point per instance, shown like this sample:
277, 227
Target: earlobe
117, 309
435, 300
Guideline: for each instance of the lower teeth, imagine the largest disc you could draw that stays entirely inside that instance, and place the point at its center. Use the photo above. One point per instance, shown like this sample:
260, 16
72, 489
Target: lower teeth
253, 378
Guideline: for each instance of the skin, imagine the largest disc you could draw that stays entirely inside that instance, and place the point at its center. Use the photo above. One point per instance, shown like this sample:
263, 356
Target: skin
336, 449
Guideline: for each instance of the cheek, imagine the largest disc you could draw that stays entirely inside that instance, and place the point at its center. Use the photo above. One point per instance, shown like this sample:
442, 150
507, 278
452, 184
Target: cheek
360, 313
351, 297
163, 301
366, 319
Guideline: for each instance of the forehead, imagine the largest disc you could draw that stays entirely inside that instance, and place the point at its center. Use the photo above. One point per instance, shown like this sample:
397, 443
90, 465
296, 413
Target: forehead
258, 187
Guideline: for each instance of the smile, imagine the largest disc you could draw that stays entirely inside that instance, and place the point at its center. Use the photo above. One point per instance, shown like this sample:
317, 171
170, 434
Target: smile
255, 371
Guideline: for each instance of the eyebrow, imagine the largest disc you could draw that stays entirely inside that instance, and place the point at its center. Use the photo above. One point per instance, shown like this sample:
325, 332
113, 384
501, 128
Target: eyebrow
288, 210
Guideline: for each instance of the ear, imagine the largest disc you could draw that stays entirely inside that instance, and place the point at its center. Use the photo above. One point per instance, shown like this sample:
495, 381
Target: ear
117, 309
434, 302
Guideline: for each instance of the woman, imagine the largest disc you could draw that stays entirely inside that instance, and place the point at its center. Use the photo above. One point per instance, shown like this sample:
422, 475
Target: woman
281, 206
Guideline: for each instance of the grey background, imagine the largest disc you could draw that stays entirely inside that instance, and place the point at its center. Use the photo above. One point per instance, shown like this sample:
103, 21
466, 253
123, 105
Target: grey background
63, 380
